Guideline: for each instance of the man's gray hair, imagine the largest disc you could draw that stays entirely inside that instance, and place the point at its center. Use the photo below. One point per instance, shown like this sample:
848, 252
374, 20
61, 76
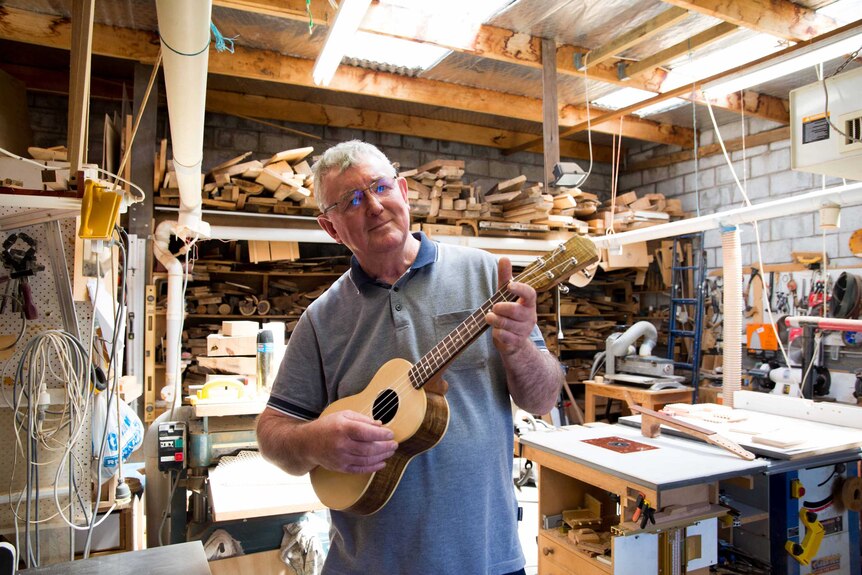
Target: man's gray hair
344, 156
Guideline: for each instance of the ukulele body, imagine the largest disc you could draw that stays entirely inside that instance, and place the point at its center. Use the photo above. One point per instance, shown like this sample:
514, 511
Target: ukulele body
418, 419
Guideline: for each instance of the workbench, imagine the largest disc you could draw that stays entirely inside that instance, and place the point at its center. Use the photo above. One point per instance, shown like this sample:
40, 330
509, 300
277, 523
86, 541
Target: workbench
187, 558
668, 471
652, 399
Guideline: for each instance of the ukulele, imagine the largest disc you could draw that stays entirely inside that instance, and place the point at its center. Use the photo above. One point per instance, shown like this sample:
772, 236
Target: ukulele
419, 418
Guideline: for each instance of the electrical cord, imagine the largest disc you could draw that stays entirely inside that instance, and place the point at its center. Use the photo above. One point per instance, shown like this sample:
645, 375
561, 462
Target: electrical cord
99, 170
754, 224
850, 58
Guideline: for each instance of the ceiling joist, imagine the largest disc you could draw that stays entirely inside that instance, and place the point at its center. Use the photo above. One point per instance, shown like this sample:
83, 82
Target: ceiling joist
124, 43
780, 18
491, 42
690, 45
635, 36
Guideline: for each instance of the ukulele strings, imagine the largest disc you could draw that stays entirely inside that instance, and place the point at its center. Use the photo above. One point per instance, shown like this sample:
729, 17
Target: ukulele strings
404, 381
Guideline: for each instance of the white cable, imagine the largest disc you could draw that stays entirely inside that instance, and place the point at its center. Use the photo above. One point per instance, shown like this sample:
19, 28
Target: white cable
100, 170
754, 224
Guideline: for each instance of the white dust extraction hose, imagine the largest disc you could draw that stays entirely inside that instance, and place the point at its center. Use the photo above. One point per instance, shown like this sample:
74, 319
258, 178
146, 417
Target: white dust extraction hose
184, 29
733, 311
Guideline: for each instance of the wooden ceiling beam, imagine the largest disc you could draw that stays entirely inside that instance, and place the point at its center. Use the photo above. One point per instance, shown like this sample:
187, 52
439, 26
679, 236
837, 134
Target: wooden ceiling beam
491, 42
344, 117
683, 90
780, 18
662, 57
57, 82
635, 36
124, 43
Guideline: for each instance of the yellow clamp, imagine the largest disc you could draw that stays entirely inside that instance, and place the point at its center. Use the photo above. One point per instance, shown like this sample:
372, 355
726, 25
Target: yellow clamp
814, 532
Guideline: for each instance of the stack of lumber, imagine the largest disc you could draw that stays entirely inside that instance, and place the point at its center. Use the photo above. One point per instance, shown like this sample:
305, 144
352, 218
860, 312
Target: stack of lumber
233, 350
436, 192
281, 184
576, 205
631, 212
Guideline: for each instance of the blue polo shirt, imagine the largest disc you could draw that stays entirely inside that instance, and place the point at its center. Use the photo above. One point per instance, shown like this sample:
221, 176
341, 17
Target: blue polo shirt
454, 510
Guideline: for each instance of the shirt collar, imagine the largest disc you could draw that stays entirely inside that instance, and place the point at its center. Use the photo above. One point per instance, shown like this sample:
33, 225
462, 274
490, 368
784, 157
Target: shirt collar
427, 255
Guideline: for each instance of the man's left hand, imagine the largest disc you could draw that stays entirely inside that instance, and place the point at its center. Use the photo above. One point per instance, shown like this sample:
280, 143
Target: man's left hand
512, 322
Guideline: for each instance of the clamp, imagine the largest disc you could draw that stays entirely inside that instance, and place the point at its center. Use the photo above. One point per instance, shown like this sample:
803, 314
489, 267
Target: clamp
644, 511
814, 532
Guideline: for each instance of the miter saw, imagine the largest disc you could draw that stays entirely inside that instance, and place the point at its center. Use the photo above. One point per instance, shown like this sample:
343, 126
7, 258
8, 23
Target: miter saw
624, 364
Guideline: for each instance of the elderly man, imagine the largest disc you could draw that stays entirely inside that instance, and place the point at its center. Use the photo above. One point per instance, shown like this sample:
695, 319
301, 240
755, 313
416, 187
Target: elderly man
454, 510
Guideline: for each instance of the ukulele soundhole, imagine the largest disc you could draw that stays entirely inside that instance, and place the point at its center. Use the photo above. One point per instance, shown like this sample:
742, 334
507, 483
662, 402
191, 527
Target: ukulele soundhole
385, 406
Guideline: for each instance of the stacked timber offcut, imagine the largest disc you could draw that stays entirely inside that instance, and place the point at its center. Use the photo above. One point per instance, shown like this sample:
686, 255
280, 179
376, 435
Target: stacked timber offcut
281, 184
437, 194
630, 212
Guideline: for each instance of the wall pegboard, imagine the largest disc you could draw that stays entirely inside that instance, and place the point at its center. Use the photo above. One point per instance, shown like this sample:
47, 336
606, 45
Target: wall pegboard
55, 536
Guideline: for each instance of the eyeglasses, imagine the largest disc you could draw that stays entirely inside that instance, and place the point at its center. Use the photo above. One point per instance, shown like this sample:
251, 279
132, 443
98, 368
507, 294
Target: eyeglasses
350, 201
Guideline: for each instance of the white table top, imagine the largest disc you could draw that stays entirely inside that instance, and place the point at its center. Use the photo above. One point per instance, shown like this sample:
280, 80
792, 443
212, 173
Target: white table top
676, 463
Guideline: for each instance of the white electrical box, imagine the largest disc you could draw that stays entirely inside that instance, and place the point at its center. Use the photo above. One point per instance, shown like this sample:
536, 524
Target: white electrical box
815, 145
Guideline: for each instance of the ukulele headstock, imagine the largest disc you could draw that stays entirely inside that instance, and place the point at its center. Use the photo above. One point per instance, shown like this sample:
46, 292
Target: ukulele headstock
577, 253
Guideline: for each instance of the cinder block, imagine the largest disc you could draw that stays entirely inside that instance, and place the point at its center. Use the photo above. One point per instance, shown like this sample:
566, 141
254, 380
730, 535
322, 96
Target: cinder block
413, 143
476, 167
749, 152
788, 182
770, 163
681, 168
454, 148
631, 180
390, 140
792, 226
671, 188
274, 143
503, 170
653, 175
342, 134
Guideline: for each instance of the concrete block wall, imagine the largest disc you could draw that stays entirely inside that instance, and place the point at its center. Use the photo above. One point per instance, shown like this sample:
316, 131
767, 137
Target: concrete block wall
708, 185
226, 137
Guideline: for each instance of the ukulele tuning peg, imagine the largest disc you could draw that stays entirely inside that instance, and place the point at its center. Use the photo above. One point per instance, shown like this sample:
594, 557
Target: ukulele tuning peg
563, 288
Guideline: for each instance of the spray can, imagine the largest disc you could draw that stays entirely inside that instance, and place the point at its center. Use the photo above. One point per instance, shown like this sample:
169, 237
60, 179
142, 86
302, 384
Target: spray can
265, 349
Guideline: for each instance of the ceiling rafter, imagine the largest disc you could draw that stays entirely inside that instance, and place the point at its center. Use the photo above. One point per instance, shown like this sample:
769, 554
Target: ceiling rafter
635, 36
236, 104
780, 18
705, 38
485, 41
782, 55
255, 64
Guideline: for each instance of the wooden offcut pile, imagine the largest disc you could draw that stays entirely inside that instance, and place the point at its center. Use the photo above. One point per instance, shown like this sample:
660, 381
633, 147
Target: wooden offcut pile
630, 212
281, 184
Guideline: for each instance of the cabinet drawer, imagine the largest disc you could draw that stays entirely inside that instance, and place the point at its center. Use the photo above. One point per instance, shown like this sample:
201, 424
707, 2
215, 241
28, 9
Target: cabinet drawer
557, 556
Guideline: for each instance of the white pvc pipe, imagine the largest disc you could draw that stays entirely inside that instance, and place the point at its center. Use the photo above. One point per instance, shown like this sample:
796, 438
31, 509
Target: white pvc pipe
175, 313
733, 310
808, 202
184, 29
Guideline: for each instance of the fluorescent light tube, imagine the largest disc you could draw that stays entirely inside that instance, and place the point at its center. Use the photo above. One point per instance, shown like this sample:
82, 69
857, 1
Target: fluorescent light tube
341, 33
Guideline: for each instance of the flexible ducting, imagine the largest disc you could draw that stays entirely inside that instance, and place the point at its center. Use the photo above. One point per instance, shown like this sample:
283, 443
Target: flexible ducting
733, 313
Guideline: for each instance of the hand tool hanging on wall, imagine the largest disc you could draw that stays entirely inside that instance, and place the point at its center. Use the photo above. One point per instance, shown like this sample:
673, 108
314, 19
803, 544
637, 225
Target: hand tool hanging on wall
19, 258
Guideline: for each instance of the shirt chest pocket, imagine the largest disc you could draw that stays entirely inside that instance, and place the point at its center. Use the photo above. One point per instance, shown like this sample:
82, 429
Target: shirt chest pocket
475, 355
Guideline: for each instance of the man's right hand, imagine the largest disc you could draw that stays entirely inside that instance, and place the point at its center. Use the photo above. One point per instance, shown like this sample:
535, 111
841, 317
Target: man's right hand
350, 442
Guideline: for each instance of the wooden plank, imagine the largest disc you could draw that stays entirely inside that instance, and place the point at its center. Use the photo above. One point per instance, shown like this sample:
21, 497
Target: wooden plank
689, 45
636, 36
762, 138
780, 18
79, 82
550, 109
290, 156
